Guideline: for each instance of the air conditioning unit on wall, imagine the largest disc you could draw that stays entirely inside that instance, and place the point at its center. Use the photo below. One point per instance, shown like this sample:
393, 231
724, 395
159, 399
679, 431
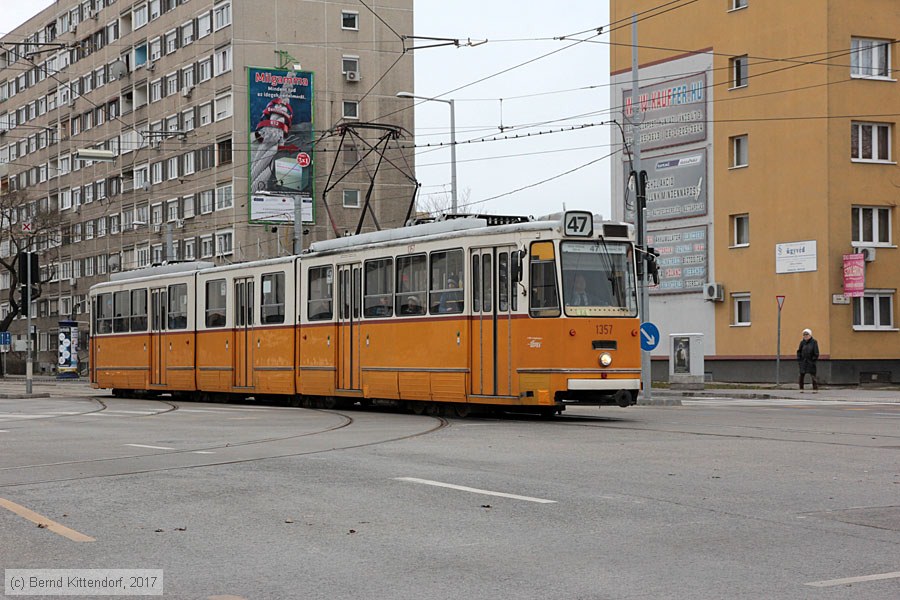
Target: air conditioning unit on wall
868, 254
714, 292
352, 75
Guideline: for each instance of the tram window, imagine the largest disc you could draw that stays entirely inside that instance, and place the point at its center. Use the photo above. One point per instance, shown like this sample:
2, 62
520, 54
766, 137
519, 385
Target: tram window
243, 302
476, 288
139, 310
487, 281
544, 299
379, 296
122, 309
272, 301
178, 306
447, 292
321, 293
215, 303
104, 313
412, 281
503, 281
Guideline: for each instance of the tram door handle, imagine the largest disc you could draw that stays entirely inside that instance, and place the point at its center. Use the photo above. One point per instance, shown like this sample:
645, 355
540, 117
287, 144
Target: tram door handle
257, 342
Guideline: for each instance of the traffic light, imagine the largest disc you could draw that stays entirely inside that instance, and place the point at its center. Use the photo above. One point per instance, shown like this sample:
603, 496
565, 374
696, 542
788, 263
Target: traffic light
35, 271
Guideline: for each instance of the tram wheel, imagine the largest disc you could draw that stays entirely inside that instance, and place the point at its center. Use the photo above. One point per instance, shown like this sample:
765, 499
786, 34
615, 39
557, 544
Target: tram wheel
418, 408
547, 413
462, 410
434, 409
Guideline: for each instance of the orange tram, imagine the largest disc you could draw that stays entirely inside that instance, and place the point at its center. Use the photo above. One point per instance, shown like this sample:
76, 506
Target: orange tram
502, 313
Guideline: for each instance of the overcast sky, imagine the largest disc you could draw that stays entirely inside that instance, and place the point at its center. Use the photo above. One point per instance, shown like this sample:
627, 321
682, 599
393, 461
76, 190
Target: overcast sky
559, 91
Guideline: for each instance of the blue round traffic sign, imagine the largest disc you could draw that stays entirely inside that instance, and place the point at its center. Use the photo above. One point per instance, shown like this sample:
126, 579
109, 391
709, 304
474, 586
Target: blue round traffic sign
649, 336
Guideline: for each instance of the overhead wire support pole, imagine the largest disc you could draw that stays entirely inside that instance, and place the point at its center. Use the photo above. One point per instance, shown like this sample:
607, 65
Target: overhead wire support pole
637, 118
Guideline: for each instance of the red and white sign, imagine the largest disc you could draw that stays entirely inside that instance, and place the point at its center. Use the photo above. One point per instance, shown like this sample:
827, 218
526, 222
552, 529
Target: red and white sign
26, 227
780, 300
303, 159
854, 275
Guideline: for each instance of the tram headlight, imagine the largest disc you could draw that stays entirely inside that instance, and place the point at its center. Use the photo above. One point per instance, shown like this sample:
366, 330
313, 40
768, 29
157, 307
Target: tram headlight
605, 359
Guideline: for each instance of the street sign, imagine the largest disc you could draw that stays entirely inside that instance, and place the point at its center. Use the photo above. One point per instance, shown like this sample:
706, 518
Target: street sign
26, 227
303, 159
780, 300
649, 336
5, 338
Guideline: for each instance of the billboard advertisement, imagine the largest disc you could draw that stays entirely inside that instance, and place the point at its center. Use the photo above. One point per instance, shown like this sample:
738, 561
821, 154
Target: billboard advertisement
672, 113
854, 275
280, 146
676, 186
67, 364
682, 259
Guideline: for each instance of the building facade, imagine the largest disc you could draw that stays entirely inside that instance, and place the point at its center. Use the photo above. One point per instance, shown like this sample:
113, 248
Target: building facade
767, 131
224, 117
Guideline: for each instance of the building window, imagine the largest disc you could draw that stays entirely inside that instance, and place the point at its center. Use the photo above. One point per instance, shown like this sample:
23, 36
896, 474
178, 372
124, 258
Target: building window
350, 20
870, 58
872, 225
875, 310
224, 197
189, 253
222, 15
740, 225
740, 309
350, 64
204, 68
156, 88
204, 25
737, 4
224, 243
187, 33
223, 107
139, 16
870, 142
351, 198
738, 65
155, 49
739, 151
206, 202
222, 62
206, 246
351, 109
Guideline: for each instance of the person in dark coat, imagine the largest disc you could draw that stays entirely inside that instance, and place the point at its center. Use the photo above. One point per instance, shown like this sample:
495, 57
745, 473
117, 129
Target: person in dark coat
807, 355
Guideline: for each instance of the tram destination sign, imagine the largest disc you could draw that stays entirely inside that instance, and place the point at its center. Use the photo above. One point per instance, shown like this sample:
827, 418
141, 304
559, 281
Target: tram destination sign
683, 259
676, 186
672, 113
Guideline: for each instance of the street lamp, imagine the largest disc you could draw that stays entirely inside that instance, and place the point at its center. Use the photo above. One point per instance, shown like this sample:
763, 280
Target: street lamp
453, 197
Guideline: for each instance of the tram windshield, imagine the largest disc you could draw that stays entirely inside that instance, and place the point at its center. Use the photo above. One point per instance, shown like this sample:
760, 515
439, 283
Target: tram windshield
598, 279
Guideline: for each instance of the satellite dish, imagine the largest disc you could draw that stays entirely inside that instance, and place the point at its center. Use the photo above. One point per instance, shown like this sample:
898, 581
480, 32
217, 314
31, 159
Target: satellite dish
118, 70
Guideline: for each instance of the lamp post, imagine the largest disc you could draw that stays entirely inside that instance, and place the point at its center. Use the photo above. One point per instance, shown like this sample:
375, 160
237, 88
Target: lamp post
453, 197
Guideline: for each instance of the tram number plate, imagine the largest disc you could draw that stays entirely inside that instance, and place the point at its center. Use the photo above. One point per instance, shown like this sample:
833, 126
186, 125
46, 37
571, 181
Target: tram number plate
579, 223
604, 329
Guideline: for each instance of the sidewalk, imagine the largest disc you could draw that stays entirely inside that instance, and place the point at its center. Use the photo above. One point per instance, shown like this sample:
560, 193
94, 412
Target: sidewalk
889, 394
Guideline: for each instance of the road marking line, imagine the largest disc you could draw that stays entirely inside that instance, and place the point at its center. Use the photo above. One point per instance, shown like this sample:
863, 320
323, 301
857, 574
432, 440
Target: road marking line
475, 490
131, 412
846, 580
47, 523
150, 447
203, 452
4, 431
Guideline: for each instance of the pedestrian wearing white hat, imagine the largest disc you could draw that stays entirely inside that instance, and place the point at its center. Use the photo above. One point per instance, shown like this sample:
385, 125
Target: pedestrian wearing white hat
807, 355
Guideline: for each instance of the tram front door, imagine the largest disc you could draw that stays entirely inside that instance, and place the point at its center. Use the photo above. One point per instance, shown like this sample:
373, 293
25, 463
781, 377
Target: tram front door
491, 368
159, 317
349, 311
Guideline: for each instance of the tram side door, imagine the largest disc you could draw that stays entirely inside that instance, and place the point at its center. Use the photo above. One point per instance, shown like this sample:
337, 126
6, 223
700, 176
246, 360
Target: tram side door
491, 322
243, 332
349, 311
159, 318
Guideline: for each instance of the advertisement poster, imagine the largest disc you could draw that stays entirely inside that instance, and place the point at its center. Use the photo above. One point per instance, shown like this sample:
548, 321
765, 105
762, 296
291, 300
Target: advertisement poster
682, 259
854, 275
672, 113
676, 186
281, 139
68, 350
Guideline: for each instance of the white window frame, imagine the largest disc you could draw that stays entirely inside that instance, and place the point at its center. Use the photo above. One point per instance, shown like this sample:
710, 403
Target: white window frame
875, 297
740, 151
348, 107
225, 242
739, 70
221, 16
350, 13
224, 107
870, 59
858, 130
347, 196
874, 216
737, 300
222, 61
207, 246
224, 197
740, 227
738, 5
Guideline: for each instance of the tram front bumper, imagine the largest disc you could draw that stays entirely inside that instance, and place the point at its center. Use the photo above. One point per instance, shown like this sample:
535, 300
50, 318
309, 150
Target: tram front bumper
621, 392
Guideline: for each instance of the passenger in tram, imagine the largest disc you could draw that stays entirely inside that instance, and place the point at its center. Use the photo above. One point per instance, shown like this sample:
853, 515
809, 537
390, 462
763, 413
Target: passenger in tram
412, 307
580, 295
383, 308
451, 301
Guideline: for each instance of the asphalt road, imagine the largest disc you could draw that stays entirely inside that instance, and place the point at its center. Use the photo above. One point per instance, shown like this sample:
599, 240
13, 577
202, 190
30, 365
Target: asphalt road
713, 499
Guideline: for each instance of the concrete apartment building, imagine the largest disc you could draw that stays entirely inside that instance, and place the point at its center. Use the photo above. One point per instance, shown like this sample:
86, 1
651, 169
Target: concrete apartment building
221, 115
768, 137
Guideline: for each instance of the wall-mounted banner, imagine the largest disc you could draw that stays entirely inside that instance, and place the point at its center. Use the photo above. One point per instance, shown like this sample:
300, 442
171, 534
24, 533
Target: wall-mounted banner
672, 112
281, 135
854, 275
676, 186
67, 364
682, 259
795, 257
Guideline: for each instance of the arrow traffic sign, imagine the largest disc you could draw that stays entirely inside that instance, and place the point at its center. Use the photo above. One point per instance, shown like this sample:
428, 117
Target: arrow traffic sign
649, 336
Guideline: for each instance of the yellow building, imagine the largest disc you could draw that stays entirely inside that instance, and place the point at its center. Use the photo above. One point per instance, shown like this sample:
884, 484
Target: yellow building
767, 134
